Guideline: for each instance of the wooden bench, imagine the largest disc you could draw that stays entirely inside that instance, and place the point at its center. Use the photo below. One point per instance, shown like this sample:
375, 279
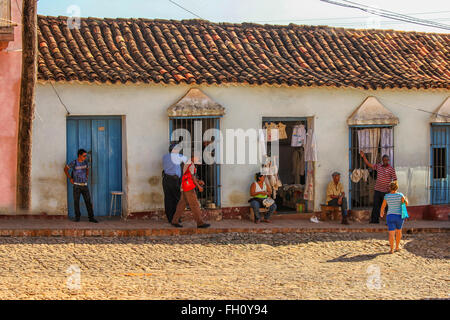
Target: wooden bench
330, 212
261, 213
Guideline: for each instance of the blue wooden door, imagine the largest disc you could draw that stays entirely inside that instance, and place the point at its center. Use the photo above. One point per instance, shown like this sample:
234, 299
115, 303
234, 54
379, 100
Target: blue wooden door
102, 138
440, 164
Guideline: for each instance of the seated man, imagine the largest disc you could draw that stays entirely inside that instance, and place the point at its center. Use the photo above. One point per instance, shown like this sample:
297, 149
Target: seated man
259, 191
336, 195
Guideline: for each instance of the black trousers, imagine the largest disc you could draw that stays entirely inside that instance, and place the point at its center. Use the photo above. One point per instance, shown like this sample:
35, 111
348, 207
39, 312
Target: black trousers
82, 190
378, 198
172, 194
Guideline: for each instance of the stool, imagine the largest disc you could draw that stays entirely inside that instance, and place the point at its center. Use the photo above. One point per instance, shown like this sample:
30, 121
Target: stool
332, 212
261, 212
115, 196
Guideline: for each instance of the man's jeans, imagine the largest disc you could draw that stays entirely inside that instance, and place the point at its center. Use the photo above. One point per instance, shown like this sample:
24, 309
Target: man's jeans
334, 203
82, 190
255, 204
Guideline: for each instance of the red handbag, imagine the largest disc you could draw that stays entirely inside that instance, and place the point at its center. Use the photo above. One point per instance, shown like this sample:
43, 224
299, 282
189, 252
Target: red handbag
187, 183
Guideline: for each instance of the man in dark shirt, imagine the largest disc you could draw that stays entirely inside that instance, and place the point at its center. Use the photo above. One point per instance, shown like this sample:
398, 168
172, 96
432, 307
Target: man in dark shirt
79, 179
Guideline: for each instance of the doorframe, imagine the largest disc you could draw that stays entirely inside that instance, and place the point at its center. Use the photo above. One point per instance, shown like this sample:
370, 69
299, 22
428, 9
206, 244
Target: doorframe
124, 202
306, 119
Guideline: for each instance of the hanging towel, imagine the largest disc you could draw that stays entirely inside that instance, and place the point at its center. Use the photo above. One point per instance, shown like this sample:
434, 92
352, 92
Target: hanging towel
387, 143
311, 146
298, 136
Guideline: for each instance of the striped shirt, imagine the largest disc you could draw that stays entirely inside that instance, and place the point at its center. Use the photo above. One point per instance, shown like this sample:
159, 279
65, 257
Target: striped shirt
394, 202
385, 175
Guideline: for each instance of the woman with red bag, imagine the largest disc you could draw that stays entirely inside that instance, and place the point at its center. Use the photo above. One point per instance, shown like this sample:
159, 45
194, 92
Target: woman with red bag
188, 184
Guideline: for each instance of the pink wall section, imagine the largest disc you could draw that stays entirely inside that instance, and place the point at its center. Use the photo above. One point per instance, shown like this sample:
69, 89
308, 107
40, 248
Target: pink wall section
10, 73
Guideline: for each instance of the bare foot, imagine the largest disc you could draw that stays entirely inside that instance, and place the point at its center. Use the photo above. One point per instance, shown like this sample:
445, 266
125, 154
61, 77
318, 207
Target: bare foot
391, 251
397, 249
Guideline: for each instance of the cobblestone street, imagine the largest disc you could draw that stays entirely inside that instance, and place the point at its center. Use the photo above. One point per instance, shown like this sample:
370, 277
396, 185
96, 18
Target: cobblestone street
227, 266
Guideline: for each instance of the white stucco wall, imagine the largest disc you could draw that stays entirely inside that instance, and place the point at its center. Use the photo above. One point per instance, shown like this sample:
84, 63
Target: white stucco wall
147, 129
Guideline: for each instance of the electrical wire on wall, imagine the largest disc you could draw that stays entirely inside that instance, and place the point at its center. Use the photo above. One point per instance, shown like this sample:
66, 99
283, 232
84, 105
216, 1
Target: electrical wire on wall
60, 100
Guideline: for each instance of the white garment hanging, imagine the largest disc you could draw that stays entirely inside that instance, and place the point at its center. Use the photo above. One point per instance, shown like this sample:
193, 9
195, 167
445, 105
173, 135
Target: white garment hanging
311, 146
308, 193
298, 136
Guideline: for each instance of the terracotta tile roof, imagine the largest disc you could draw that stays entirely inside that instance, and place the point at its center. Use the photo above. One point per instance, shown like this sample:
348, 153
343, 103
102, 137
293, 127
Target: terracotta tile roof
196, 51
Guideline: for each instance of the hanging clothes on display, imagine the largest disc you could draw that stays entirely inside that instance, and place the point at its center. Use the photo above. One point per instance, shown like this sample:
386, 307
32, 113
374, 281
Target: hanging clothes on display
359, 174
308, 193
387, 143
272, 132
298, 164
282, 131
368, 140
298, 136
311, 146
270, 170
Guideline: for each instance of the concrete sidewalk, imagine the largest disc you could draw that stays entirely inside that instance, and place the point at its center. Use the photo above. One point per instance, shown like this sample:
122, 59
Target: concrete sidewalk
115, 227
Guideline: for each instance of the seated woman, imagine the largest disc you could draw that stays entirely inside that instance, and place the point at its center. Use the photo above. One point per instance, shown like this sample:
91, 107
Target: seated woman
259, 191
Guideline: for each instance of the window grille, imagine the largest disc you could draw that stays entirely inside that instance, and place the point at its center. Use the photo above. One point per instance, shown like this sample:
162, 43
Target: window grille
361, 192
209, 173
440, 164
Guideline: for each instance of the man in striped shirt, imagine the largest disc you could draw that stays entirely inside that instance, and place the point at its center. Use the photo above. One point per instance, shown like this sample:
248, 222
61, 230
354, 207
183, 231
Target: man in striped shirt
385, 175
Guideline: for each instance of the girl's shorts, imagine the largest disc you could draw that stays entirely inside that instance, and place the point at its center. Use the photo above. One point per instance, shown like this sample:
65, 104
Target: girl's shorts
394, 221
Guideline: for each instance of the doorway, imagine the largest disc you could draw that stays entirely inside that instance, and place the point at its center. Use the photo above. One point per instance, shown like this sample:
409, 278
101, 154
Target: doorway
291, 164
101, 137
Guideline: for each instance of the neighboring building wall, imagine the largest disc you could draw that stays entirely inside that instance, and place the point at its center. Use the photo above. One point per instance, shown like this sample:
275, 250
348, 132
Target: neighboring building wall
144, 108
10, 75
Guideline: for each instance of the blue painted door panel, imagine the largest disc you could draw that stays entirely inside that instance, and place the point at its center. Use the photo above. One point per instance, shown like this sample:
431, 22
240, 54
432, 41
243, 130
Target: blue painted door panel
440, 164
102, 138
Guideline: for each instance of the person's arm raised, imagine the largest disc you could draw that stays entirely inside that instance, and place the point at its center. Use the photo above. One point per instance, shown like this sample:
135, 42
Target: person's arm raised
365, 160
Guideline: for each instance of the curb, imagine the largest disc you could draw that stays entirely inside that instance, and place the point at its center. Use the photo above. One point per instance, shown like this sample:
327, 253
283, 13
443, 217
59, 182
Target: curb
191, 231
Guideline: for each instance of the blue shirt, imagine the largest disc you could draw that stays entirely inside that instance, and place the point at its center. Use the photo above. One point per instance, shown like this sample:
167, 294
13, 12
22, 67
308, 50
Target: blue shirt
394, 202
79, 170
172, 163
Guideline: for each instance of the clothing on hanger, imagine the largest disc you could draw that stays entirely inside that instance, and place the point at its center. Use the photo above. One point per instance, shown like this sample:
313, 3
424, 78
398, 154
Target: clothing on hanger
298, 136
311, 146
308, 193
282, 131
298, 164
272, 131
